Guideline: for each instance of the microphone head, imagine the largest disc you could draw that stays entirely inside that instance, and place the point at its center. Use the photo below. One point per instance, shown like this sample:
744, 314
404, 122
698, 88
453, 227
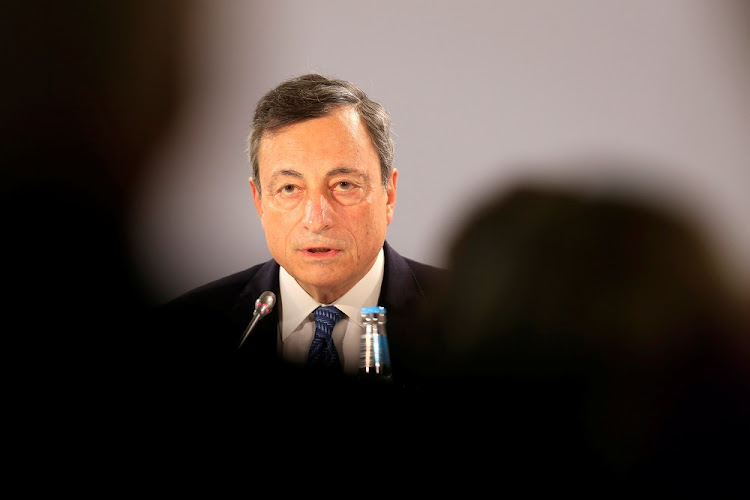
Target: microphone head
265, 303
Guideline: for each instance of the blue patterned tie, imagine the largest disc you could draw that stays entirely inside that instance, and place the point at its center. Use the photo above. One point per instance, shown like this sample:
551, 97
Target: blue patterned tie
322, 353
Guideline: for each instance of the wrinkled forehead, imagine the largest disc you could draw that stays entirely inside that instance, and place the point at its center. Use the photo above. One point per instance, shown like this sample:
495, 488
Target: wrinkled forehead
339, 139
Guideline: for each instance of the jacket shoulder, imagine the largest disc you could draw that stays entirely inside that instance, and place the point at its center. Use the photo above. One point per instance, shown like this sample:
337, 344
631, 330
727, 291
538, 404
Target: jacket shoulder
221, 290
428, 276
209, 318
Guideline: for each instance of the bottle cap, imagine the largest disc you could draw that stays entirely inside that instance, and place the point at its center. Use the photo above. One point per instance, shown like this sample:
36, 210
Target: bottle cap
373, 310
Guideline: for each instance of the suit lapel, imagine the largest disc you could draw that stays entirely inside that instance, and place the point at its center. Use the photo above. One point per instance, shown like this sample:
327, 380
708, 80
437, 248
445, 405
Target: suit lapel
404, 301
400, 286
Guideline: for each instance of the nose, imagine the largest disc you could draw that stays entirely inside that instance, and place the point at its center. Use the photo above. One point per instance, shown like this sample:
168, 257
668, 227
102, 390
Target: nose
318, 213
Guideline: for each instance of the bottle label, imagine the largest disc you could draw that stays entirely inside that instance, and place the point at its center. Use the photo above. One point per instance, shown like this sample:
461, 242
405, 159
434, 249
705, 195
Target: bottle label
374, 354
382, 356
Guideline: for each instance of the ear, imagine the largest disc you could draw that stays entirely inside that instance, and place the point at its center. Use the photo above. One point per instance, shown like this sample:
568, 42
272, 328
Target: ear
390, 191
256, 199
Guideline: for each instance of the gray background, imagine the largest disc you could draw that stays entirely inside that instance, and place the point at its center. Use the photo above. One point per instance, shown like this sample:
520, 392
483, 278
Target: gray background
481, 93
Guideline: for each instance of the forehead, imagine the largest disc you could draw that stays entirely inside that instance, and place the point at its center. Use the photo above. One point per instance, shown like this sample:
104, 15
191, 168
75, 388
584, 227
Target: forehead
339, 139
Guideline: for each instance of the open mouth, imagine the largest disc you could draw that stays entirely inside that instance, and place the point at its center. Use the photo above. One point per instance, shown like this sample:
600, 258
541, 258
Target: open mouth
319, 250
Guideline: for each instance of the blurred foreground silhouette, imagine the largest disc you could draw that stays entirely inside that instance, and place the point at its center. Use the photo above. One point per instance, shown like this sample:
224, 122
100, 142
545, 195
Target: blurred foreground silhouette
600, 339
88, 91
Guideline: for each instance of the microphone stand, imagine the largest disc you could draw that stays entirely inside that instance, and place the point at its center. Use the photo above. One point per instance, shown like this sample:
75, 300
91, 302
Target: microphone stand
256, 317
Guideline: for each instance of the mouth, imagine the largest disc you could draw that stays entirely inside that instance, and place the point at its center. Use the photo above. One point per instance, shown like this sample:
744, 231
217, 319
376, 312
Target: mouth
319, 250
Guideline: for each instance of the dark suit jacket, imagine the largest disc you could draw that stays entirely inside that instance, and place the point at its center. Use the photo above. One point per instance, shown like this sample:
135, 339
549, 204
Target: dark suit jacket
195, 337
201, 400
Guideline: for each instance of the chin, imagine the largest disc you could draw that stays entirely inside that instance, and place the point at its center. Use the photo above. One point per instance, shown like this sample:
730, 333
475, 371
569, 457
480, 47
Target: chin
315, 275
324, 283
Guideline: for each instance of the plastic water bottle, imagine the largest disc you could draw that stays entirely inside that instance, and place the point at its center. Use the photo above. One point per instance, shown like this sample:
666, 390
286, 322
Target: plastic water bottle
374, 356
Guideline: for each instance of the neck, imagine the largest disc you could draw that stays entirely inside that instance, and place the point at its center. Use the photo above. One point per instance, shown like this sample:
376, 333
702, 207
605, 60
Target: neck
326, 295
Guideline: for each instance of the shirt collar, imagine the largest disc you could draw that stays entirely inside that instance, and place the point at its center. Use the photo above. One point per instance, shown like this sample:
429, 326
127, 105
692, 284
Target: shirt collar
297, 304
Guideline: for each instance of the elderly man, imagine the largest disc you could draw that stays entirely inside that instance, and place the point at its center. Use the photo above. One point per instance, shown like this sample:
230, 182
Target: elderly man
324, 187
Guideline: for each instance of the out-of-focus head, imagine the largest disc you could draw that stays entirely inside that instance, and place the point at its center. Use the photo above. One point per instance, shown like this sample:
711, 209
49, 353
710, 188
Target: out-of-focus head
600, 321
99, 78
564, 268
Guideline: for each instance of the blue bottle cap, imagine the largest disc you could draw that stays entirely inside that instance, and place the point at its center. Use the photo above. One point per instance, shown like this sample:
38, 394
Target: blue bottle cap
373, 310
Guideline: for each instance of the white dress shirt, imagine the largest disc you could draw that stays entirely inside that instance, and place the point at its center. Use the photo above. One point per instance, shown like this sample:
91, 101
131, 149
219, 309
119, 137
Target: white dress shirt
297, 323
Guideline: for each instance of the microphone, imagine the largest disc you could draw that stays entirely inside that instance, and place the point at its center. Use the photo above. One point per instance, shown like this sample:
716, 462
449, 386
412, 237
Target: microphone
263, 306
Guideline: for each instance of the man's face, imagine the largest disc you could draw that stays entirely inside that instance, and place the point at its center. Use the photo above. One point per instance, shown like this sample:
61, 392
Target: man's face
323, 206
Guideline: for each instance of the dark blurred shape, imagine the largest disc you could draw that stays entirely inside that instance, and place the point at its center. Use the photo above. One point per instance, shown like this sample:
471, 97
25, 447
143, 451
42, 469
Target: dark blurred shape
88, 90
601, 342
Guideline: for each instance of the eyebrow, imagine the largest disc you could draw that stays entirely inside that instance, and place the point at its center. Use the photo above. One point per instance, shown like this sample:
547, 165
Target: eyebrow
287, 172
348, 171
336, 171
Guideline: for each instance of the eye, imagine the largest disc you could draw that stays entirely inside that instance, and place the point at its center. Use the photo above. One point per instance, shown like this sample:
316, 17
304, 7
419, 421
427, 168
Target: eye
344, 187
288, 189
347, 192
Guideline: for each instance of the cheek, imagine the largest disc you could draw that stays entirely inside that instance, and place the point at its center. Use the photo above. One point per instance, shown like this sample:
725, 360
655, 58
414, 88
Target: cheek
367, 225
277, 225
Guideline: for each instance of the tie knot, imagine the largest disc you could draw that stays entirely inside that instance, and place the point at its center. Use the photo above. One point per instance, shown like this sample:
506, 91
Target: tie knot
322, 351
327, 316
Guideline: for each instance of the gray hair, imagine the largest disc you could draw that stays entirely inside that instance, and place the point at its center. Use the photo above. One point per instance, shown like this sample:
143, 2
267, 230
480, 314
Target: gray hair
313, 96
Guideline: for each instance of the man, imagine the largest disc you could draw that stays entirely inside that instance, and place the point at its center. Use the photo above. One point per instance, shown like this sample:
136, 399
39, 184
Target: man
324, 187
